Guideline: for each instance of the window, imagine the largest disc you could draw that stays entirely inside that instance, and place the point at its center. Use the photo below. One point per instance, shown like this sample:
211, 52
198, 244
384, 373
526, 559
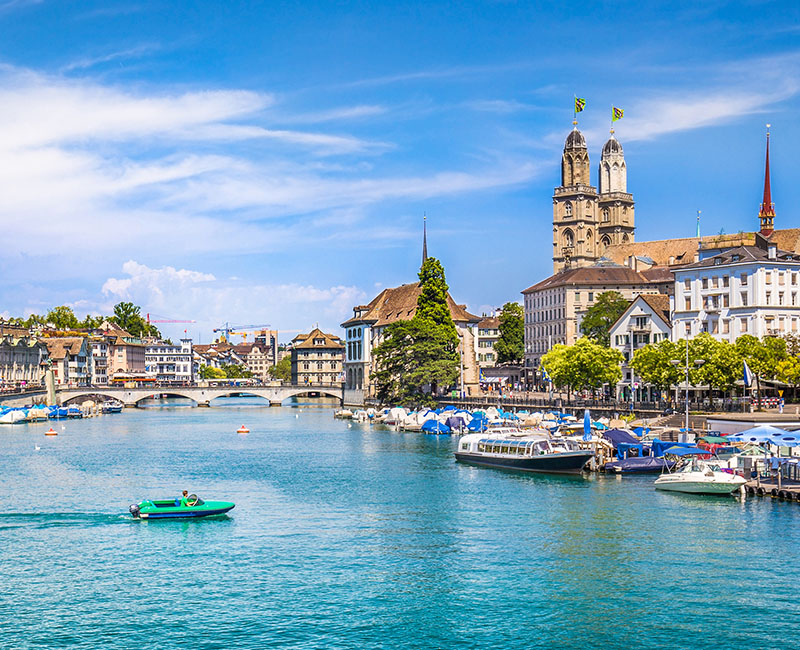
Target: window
687, 284
743, 325
768, 277
780, 298
743, 279
605, 214
743, 297
794, 299
781, 278
591, 296
769, 298
726, 326
705, 283
577, 296
568, 209
725, 281
725, 300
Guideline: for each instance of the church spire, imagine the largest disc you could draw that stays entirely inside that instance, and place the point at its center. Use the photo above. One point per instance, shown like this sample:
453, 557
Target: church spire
766, 214
424, 237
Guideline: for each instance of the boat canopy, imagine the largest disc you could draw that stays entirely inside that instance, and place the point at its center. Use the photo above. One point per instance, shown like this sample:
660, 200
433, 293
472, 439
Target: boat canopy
687, 451
616, 436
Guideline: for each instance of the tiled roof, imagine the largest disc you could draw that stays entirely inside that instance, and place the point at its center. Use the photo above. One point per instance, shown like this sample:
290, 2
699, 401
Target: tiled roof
659, 303
489, 323
744, 254
307, 340
400, 303
58, 349
591, 276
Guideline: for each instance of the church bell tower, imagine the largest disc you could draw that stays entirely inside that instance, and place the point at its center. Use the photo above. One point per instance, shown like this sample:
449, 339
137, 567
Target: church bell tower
615, 205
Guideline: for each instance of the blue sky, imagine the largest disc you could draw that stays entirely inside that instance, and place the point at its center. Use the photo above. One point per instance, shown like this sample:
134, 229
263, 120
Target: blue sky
271, 162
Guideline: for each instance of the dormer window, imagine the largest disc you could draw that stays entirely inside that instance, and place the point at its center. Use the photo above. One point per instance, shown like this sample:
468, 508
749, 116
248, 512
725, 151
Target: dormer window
717, 261
319, 341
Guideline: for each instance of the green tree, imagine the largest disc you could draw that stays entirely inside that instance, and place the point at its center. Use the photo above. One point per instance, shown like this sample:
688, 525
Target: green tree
585, 365
510, 347
282, 370
209, 372
128, 316
418, 356
653, 364
62, 318
762, 357
789, 372
599, 318
722, 364
91, 322
233, 371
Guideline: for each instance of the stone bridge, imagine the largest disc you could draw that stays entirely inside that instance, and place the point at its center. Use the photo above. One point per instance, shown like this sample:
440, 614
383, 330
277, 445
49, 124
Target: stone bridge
202, 395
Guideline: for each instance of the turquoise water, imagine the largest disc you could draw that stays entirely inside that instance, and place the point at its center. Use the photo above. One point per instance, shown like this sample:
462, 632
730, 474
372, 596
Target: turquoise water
347, 537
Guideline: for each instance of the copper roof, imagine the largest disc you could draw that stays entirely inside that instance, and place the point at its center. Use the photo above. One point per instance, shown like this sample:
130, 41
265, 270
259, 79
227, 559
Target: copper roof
400, 303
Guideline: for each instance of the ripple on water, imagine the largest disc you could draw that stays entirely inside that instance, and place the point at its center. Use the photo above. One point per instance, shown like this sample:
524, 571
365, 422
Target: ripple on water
355, 537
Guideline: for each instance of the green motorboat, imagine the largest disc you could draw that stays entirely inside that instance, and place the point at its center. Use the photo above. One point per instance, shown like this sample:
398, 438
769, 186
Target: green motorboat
190, 506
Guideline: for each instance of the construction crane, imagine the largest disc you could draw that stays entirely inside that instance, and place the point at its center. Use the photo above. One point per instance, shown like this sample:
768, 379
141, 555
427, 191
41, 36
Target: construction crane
227, 329
168, 320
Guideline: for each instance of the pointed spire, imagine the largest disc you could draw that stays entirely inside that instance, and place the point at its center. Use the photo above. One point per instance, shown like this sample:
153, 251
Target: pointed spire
766, 214
424, 237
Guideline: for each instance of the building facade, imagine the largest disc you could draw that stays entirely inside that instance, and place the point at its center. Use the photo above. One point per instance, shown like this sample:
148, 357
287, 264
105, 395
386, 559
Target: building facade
22, 361
170, 364
98, 351
646, 320
70, 360
554, 308
317, 359
488, 332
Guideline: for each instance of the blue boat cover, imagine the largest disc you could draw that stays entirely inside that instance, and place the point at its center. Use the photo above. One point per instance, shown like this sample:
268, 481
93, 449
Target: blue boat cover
434, 426
616, 436
660, 446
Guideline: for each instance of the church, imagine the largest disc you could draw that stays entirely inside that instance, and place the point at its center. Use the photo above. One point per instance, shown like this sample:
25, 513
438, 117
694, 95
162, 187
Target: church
594, 247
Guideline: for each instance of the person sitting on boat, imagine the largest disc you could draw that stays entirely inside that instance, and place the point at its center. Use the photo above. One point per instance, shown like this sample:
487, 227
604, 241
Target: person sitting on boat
184, 498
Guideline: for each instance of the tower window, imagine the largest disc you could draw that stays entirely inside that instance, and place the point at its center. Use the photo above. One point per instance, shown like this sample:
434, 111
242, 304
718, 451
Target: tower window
568, 209
606, 216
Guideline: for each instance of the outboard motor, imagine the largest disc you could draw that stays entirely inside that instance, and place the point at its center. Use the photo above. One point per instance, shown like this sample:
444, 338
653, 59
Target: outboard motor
134, 509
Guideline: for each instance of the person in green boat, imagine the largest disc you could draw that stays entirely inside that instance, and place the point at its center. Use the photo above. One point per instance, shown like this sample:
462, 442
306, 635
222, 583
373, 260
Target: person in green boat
185, 498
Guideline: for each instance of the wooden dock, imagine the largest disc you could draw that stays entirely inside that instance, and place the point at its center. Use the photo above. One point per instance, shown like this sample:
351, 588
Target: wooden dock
788, 490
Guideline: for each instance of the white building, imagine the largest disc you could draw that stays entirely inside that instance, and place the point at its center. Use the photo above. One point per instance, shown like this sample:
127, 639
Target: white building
488, 334
645, 321
99, 349
745, 290
170, 364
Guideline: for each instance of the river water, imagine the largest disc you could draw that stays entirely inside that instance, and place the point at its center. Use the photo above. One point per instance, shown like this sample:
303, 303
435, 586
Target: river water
345, 536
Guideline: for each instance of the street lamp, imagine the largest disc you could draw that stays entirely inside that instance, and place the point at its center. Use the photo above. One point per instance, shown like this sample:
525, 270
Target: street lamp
698, 363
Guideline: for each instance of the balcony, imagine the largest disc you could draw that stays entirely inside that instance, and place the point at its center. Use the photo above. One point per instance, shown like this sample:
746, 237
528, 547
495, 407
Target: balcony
640, 327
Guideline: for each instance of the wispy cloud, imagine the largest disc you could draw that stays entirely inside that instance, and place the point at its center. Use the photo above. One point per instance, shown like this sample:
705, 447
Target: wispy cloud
10, 5
92, 61
438, 73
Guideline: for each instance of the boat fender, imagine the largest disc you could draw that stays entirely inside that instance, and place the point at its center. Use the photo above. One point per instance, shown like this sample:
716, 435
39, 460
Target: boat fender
760, 491
134, 509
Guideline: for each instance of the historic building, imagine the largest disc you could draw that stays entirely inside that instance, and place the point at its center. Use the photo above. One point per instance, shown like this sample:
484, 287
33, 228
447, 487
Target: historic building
316, 358
21, 361
168, 363
587, 220
488, 334
646, 320
70, 357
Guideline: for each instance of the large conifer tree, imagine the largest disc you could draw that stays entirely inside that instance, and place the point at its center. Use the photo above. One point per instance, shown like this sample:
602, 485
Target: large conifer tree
419, 356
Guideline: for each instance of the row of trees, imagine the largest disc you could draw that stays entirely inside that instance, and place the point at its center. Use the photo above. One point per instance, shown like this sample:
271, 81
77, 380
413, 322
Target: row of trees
127, 315
719, 364
227, 371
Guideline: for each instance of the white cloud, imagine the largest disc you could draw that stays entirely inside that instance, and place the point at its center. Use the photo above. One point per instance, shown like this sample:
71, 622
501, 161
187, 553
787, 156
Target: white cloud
194, 295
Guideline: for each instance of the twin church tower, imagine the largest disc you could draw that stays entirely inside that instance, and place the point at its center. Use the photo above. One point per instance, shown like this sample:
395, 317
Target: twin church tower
586, 220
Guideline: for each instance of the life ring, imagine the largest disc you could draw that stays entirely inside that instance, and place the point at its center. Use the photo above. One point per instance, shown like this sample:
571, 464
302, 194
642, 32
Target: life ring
192, 500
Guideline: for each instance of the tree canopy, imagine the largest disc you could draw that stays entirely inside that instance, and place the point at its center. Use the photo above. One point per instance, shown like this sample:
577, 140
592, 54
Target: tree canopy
599, 318
282, 370
584, 365
510, 347
419, 356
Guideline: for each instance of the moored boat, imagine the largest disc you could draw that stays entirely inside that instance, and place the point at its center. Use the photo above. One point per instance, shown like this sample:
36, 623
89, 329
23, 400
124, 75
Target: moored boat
177, 508
698, 476
523, 451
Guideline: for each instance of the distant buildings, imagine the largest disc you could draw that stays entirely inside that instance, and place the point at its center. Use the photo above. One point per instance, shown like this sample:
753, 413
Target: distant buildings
316, 358
70, 360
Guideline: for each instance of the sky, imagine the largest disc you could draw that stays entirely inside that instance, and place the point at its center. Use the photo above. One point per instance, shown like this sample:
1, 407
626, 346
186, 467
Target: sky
270, 163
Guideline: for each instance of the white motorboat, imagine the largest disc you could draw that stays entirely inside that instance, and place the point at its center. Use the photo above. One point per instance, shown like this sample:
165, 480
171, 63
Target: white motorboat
698, 476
